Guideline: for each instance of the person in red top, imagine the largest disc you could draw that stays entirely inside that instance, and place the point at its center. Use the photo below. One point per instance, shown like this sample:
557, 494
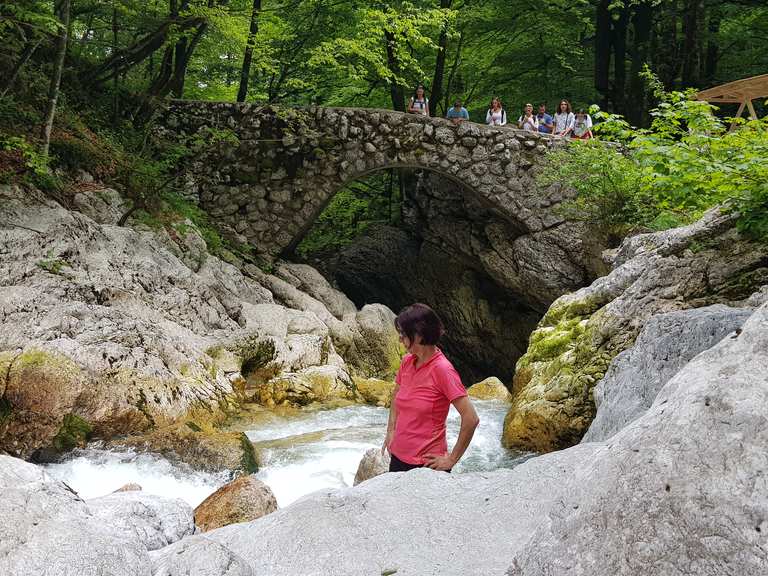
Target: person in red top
426, 386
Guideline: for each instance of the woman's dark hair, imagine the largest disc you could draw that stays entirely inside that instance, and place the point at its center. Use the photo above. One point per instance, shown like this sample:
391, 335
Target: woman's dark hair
422, 320
567, 106
416, 91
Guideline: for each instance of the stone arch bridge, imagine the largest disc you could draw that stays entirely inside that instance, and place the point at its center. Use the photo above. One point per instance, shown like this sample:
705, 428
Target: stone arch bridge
267, 186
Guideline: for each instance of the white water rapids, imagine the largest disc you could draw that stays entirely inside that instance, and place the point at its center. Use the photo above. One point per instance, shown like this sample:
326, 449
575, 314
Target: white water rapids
307, 451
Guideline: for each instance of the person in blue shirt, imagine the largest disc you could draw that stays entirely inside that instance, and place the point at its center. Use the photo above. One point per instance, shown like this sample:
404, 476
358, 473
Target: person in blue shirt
546, 123
458, 113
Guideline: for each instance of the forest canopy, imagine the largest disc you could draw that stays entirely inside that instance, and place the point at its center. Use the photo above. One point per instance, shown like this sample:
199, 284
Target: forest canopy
362, 53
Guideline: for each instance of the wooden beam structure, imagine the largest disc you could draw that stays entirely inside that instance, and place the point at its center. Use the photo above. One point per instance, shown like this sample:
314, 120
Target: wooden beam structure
740, 92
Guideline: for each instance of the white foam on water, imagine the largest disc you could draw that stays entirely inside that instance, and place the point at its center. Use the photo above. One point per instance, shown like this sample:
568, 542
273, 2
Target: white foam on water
318, 420
296, 472
94, 472
298, 466
307, 466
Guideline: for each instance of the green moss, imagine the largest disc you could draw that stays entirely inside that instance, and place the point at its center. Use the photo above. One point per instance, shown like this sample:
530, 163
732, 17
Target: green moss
74, 432
256, 353
249, 455
54, 266
549, 342
565, 308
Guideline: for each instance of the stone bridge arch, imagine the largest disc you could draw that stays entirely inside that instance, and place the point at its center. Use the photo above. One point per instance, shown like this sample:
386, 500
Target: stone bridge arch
482, 243
267, 188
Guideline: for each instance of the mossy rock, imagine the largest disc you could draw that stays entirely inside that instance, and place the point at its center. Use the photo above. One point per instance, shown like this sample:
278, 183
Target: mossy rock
552, 405
75, 432
375, 391
199, 444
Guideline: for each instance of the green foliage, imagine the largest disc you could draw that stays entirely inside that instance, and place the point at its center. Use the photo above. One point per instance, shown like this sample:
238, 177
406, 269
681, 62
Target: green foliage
33, 160
668, 175
349, 214
54, 266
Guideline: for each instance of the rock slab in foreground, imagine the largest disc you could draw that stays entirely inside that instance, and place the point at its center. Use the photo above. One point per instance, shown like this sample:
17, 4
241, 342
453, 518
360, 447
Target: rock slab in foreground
47, 529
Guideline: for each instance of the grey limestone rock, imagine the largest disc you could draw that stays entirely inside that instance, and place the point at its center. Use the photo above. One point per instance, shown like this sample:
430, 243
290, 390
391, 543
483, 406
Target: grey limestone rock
666, 343
679, 491
47, 529
155, 521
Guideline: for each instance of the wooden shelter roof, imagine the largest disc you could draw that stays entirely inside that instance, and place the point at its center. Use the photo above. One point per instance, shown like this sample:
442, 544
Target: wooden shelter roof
738, 91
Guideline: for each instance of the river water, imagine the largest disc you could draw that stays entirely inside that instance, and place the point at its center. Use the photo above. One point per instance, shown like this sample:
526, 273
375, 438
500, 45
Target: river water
299, 452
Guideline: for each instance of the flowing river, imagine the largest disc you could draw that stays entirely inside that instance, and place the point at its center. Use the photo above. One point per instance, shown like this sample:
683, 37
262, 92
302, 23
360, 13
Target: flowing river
299, 452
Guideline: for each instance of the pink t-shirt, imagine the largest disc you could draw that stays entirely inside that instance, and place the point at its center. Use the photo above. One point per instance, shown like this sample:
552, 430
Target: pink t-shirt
422, 404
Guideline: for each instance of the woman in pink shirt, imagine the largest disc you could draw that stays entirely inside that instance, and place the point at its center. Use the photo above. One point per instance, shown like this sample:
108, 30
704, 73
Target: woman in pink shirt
426, 386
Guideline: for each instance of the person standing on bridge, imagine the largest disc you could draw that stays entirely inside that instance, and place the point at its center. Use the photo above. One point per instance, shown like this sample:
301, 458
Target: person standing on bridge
419, 103
582, 127
546, 122
426, 386
528, 120
564, 119
458, 113
496, 115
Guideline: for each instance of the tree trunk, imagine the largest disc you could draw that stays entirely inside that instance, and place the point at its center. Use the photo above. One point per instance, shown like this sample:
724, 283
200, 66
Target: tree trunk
442, 47
452, 75
603, 50
26, 54
395, 89
620, 61
58, 66
245, 72
666, 45
691, 17
642, 22
116, 87
712, 54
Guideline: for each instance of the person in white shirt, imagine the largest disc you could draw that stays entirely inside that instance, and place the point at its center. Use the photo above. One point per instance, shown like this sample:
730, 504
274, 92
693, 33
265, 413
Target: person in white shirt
564, 119
496, 115
419, 103
582, 127
528, 120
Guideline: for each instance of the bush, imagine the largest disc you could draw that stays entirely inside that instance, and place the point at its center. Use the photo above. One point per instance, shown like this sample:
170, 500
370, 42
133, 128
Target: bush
668, 175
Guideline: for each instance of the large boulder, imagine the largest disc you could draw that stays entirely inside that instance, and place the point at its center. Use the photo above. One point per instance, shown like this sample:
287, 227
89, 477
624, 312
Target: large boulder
679, 491
137, 328
198, 556
48, 529
245, 498
405, 523
155, 521
705, 263
203, 448
666, 343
